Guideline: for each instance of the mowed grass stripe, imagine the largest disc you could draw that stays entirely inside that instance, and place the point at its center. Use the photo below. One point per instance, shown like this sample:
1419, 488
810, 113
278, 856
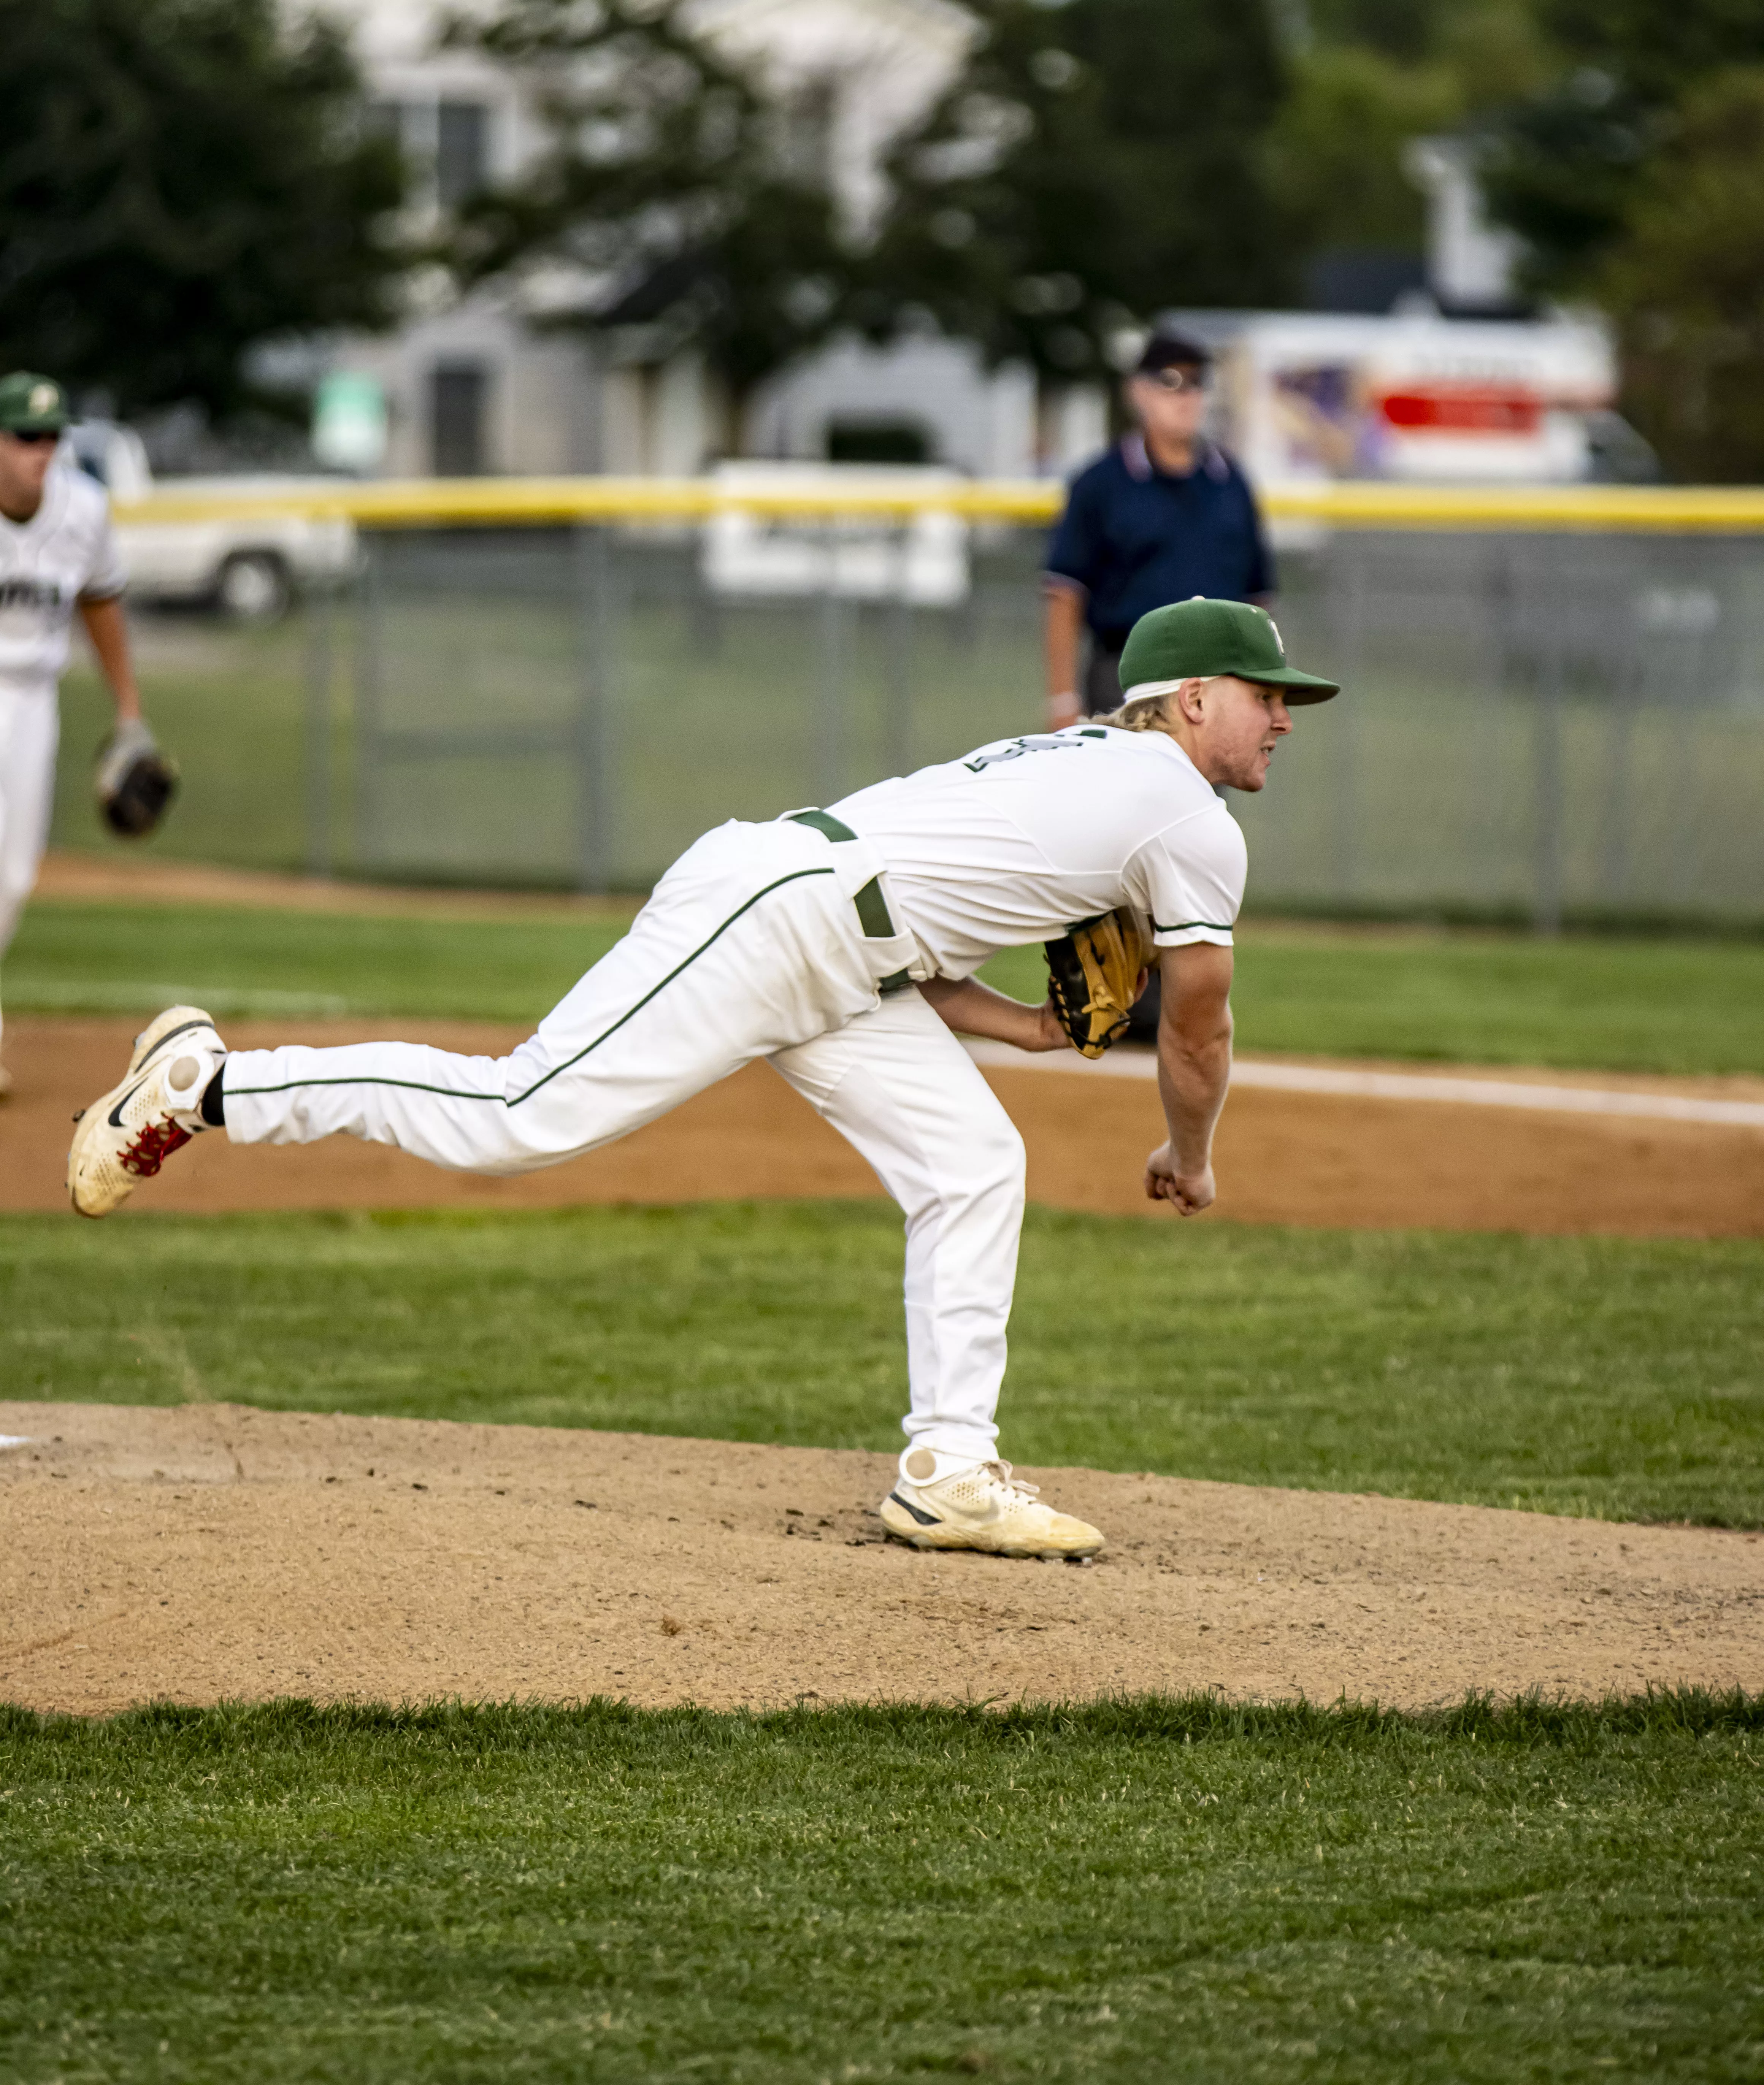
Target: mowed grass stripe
1681, 1006
1612, 1377
1134, 1890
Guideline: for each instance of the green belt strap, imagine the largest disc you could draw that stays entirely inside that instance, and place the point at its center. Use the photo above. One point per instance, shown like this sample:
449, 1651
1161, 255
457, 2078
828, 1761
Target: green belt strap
872, 914
824, 822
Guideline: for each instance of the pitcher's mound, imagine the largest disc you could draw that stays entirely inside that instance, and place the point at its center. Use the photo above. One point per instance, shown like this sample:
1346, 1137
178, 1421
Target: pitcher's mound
213, 1551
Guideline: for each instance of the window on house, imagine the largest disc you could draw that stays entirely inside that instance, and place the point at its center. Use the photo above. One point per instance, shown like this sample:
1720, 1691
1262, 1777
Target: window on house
879, 441
459, 394
461, 150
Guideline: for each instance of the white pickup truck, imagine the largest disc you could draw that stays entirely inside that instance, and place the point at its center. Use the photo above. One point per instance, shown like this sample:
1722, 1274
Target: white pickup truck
247, 567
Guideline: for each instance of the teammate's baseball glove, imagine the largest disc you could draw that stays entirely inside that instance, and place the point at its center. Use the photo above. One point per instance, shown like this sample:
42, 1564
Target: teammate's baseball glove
1095, 974
135, 780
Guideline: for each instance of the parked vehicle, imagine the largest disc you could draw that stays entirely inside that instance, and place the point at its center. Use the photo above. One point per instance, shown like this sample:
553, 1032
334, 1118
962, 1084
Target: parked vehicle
747, 553
1306, 396
248, 567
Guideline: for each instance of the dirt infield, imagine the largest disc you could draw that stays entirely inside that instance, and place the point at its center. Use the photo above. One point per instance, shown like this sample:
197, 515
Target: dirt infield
210, 1552
1283, 1158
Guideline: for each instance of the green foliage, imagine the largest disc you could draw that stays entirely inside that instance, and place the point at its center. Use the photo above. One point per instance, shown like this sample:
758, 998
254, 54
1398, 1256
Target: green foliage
1376, 75
1633, 174
1565, 163
1147, 1888
1609, 1377
1686, 281
180, 178
1655, 51
669, 174
1561, 169
1338, 146
1094, 164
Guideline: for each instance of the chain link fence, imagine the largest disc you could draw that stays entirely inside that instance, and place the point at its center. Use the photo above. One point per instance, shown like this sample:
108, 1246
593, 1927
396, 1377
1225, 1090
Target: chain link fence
1549, 726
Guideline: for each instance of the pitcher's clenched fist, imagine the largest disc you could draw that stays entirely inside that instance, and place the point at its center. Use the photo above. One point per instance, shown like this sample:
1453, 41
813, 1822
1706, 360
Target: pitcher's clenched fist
1187, 1193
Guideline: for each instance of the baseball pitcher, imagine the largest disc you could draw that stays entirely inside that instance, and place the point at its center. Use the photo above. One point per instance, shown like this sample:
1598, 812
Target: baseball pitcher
57, 554
840, 945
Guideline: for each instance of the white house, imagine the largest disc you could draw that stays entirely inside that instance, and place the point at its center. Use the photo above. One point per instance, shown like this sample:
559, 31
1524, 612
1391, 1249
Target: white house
483, 385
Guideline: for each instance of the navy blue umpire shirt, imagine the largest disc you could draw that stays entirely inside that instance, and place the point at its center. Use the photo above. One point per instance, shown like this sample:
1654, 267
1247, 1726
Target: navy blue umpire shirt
1135, 539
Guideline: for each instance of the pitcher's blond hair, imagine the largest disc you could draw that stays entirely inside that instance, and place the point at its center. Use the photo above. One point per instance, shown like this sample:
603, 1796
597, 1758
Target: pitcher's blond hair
1150, 712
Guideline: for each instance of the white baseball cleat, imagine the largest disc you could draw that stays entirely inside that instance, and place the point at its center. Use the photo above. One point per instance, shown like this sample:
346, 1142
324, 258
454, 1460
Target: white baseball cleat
124, 1138
984, 1507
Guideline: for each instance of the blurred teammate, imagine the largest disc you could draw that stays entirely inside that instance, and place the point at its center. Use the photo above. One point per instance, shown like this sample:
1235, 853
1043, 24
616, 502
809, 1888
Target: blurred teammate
1163, 517
841, 946
58, 555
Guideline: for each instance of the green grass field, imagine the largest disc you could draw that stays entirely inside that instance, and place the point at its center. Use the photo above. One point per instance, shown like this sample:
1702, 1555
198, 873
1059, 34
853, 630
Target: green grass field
1129, 1891
1132, 1891
1653, 1005
1604, 1376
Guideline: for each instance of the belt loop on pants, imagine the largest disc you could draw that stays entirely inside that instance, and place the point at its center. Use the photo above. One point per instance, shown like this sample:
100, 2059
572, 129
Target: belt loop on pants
873, 913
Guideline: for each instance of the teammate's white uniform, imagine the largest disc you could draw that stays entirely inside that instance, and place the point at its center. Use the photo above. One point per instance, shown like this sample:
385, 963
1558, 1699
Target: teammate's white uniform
766, 941
65, 553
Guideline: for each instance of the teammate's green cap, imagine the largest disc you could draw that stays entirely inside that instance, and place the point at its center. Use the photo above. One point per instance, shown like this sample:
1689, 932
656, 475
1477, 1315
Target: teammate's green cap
32, 404
1191, 640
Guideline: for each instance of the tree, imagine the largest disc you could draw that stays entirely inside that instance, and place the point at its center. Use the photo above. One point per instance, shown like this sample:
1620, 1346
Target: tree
1373, 75
1633, 174
1337, 149
670, 184
1565, 165
179, 180
1096, 163
1685, 282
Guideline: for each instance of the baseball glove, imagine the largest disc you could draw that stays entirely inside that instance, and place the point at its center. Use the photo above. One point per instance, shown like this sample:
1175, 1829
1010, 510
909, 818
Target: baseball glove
1095, 974
134, 781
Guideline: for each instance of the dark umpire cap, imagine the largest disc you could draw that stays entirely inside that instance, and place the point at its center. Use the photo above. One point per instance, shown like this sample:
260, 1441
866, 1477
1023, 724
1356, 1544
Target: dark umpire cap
1193, 640
32, 404
1172, 351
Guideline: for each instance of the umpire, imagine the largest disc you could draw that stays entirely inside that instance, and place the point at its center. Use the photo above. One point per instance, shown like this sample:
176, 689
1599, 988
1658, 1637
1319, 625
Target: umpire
1163, 517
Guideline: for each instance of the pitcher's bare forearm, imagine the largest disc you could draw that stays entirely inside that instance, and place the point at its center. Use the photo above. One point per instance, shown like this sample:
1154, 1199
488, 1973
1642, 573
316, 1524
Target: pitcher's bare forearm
1194, 1049
1194, 1069
1063, 626
973, 1008
107, 627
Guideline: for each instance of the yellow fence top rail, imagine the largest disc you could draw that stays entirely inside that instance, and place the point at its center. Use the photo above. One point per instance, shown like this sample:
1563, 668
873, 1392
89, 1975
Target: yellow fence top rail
419, 503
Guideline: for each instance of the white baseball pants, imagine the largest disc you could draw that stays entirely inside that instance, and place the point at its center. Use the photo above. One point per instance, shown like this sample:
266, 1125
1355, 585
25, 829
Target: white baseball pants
751, 946
30, 729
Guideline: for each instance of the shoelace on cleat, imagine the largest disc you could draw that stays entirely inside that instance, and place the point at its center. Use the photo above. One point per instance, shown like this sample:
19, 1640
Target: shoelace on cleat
152, 1148
974, 1486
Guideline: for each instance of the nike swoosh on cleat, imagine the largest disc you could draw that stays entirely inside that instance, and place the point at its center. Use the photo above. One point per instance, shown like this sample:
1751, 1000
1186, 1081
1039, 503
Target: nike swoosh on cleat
924, 1519
115, 1113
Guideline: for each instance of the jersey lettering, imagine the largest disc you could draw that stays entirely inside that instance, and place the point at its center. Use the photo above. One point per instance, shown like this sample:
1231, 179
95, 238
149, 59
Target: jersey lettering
1019, 746
29, 593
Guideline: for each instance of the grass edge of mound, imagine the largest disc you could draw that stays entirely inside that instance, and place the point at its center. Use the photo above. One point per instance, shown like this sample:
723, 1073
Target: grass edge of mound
1525, 1720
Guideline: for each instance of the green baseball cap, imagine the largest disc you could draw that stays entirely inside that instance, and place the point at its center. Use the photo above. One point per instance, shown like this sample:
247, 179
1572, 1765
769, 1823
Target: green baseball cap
1193, 640
32, 404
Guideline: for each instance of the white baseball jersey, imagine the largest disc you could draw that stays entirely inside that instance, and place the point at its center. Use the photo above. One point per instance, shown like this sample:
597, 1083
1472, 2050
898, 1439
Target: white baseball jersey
1019, 841
66, 550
